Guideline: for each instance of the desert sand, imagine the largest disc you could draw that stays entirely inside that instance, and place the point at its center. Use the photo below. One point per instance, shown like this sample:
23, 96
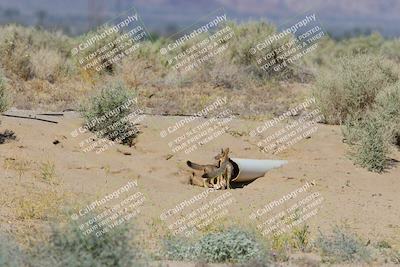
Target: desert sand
364, 201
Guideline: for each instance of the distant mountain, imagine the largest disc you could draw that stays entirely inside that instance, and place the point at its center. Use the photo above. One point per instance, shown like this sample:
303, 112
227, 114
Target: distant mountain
167, 16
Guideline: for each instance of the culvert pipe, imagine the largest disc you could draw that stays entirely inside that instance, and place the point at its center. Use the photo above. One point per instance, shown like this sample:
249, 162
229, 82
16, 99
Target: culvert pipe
246, 170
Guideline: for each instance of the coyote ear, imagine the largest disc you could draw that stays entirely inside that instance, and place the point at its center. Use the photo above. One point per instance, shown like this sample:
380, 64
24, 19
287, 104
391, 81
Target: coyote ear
222, 150
227, 150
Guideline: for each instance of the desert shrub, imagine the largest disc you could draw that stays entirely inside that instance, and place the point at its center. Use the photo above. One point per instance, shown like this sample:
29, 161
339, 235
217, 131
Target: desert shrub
249, 34
236, 67
370, 44
246, 36
322, 56
15, 54
11, 254
47, 64
282, 245
342, 246
3, 95
6, 136
107, 113
370, 140
228, 76
91, 50
395, 256
351, 86
388, 109
230, 245
177, 248
301, 238
17, 44
68, 246
371, 134
391, 49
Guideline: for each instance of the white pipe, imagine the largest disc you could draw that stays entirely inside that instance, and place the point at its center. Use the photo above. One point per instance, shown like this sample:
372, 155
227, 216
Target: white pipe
251, 169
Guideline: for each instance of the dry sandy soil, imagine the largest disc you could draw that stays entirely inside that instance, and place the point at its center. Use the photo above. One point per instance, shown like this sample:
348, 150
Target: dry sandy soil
367, 202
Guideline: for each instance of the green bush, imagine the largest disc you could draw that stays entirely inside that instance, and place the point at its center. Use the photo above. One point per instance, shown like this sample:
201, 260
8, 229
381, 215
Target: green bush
237, 67
231, 245
10, 253
370, 139
107, 113
351, 86
370, 44
91, 50
17, 44
372, 133
68, 246
391, 49
388, 109
247, 35
341, 246
395, 257
3, 95
15, 51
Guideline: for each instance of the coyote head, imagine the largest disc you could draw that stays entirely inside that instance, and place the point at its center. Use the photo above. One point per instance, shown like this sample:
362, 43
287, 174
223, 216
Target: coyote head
223, 155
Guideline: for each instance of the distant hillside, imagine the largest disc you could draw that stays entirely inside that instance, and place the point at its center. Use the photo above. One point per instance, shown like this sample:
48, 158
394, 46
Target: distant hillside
75, 16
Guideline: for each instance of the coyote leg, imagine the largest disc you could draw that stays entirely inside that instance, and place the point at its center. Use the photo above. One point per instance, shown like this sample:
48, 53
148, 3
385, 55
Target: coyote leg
217, 185
228, 178
223, 181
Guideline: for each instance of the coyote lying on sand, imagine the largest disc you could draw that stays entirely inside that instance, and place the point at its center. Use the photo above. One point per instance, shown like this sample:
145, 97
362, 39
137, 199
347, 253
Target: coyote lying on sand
223, 173
207, 168
216, 172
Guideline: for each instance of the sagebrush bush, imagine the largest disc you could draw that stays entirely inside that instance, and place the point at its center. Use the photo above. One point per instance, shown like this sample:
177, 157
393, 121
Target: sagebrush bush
236, 67
342, 246
108, 41
68, 246
230, 245
11, 254
372, 133
247, 35
395, 257
47, 64
351, 86
4, 101
17, 44
370, 140
388, 109
391, 49
15, 54
107, 113
370, 44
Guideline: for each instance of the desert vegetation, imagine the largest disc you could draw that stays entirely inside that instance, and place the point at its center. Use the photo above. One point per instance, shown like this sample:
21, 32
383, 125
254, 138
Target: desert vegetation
68, 246
230, 245
355, 83
111, 106
361, 97
342, 246
3, 95
337, 69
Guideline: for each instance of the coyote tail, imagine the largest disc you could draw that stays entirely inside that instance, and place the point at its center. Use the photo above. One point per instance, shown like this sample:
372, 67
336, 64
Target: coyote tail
194, 165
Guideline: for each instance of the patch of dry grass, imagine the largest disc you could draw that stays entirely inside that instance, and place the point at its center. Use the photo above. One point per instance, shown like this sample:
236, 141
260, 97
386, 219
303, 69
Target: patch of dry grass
47, 173
39, 205
20, 166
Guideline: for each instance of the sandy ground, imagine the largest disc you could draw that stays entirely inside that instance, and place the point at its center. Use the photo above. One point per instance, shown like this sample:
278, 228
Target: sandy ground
367, 202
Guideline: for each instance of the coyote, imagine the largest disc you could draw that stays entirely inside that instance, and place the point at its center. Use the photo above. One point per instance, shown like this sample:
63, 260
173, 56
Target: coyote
208, 168
223, 174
